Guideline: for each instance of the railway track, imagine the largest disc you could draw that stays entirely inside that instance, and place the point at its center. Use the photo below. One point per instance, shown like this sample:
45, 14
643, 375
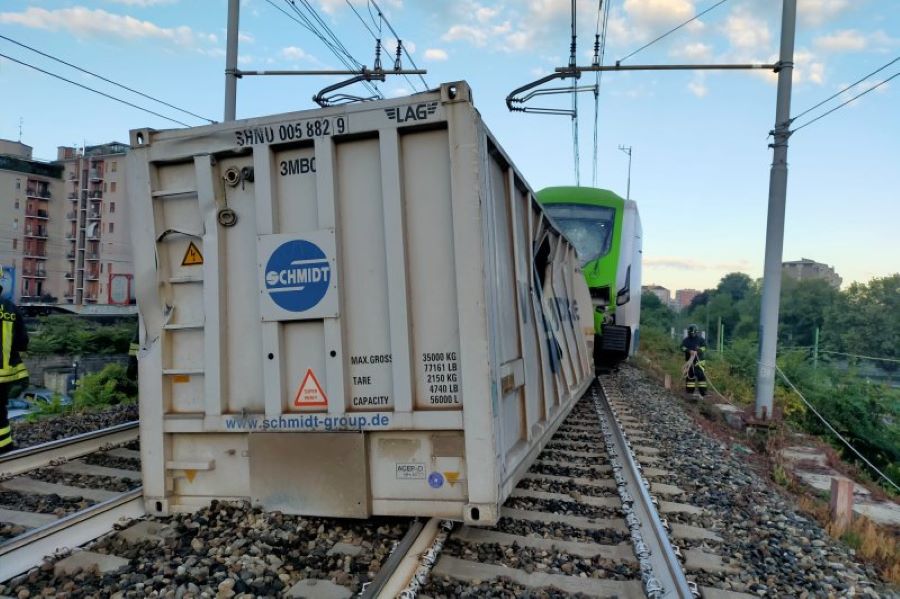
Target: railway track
595, 516
590, 518
65, 493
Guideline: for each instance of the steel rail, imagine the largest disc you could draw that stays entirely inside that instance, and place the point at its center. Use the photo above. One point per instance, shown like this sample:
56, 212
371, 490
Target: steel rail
374, 588
28, 550
62, 450
665, 578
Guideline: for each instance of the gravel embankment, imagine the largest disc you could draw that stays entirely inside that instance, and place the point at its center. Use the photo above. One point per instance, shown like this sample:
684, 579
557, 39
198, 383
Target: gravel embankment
26, 434
776, 551
228, 550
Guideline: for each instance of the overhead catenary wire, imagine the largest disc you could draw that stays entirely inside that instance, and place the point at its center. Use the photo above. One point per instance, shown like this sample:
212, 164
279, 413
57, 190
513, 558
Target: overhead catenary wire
91, 89
673, 30
842, 104
302, 20
106, 79
599, 54
836, 94
397, 37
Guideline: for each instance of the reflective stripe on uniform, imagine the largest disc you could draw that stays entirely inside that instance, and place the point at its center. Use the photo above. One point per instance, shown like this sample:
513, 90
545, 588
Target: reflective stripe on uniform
16, 373
5, 430
701, 384
7, 345
5, 436
5, 441
133, 349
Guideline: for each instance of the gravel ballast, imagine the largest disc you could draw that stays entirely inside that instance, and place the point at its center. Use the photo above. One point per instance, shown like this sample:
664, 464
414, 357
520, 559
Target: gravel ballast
26, 434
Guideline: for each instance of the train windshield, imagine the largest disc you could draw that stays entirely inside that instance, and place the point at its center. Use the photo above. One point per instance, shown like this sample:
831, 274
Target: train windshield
590, 228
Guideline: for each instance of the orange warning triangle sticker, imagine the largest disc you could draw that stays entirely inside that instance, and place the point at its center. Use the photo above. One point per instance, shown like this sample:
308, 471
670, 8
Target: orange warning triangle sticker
451, 477
192, 256
310, 393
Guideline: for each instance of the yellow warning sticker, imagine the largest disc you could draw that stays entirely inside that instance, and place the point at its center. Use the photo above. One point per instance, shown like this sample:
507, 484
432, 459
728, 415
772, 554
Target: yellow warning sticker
310, 393
181, 378
190, 474
451, 477
192, 257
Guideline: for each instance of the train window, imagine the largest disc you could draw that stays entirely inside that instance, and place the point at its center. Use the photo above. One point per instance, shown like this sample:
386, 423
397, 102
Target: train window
589, 228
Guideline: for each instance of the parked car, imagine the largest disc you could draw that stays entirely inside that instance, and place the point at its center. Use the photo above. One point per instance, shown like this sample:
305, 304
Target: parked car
32, 399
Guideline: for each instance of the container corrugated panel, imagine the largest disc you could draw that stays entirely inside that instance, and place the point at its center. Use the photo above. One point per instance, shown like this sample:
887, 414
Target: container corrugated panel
352, 311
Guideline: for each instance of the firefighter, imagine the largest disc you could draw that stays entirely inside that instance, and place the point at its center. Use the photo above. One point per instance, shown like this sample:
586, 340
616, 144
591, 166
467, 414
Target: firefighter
694, 346
133, 349
13, 341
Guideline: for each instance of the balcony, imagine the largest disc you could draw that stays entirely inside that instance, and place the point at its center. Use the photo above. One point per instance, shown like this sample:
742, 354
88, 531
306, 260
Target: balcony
70, 276
73, 196
27, 297
96, 174
96, 195
95, 236
90, 299
73, 176
35, 253
41, 194
72, 215
71, 236
70, 254
36, 232
92, 256
42, 214
93, 215
35, 273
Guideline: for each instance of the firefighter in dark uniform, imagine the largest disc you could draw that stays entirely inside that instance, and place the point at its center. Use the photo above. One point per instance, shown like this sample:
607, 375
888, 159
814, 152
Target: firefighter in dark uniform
13, 341
133, 349
694, 348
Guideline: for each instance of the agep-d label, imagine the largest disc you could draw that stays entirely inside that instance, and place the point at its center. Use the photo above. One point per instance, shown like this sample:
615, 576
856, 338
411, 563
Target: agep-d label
298, 278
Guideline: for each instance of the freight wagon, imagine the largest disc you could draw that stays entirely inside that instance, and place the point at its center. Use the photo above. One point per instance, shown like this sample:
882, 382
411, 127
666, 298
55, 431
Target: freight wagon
353, 311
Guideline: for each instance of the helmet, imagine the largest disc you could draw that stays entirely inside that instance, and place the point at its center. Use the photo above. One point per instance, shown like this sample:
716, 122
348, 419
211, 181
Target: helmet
692, 330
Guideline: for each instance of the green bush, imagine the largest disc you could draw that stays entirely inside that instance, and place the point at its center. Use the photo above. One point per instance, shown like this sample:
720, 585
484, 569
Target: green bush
73, 335
110, 386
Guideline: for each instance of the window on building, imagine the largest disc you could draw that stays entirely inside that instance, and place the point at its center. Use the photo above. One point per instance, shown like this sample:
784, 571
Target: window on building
111, 227
113, 165
16, 224
17, 204
112, 187
105, 187
18, 184
101, 268
109, 267
15, 243
112, 206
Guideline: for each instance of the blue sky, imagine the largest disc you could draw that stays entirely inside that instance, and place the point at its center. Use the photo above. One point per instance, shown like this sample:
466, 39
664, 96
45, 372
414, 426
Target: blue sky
701, 161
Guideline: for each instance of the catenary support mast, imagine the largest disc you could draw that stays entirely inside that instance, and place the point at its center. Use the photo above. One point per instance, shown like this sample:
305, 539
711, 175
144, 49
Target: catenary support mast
231, 60
771, 292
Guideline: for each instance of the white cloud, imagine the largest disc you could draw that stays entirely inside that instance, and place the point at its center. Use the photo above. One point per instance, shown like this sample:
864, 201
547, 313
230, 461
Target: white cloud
697, 86
246, 38
694, 51
436, 54
807, 67
84, 22
332, 6
483, 14
659, 13
819, 12
746, 31
845, 40
245, 59
399, 92
143, 3
475, 35
294, 53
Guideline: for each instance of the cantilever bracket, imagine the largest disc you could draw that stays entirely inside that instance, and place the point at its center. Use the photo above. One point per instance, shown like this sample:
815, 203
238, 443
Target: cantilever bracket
323, 100
514, 100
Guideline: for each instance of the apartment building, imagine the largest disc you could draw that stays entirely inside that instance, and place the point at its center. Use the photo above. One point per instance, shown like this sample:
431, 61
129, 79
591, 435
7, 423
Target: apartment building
63, 226
810, 269
30, 192
98, 249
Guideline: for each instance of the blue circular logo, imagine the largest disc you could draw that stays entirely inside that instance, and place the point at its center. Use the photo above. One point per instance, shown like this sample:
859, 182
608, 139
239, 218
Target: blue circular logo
436, 480
298, 275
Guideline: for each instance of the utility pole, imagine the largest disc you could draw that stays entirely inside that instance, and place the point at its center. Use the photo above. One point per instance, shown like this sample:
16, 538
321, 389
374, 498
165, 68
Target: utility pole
771, 292
231, 60
627, 150
816, 350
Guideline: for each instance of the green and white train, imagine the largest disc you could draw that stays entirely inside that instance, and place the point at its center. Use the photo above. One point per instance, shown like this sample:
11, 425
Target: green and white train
606, 231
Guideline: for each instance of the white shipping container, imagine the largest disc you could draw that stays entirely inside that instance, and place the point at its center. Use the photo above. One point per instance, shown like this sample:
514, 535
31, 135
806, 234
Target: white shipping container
352, 311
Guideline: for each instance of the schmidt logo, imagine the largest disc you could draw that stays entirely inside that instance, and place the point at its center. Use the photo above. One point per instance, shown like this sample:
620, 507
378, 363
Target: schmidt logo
298, 274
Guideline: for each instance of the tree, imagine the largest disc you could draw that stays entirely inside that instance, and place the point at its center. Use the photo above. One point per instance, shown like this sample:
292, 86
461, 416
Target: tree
736, 285
655, 314
865, 320
110, 386
803, 308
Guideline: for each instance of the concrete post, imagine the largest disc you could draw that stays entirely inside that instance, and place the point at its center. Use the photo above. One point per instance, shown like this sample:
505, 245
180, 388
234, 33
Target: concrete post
841, 503
768, 319
231, 60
